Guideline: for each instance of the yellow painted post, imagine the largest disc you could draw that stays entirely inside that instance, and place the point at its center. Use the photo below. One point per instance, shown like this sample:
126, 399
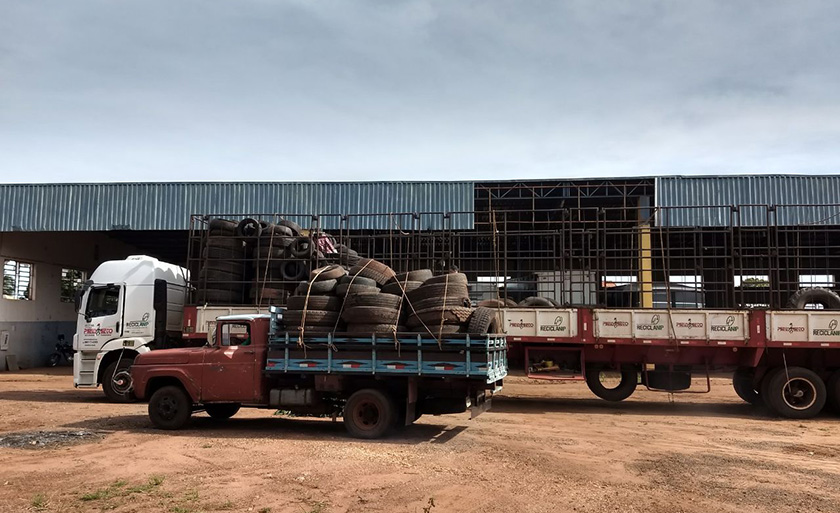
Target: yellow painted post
645, 256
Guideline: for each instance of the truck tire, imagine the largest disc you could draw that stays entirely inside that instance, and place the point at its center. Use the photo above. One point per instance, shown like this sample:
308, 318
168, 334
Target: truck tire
449, 278
328, 272
293, 270
825, 297
451, 290
420, 275
441, 315
375, 329
483, 321
374, 270
389, 301
328, 303
249, 227
437, 303
271, 252
293, 318
302, 247
346, 289
536, 302
222, 411
347, 256
620, 392
170, 408
369, 413
357, 280
796, 393
370, 315
742, 382
222, 226
116, 381
316, 287
291, 225
399, 287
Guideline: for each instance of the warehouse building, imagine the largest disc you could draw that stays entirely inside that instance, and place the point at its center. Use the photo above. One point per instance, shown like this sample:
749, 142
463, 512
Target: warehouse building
713, 241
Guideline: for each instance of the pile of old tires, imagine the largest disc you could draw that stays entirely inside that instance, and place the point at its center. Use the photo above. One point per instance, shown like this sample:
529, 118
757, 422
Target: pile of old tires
272, 264
371, 299
223, 258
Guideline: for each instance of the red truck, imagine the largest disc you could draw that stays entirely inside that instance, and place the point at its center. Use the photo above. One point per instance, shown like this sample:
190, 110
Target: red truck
375, 383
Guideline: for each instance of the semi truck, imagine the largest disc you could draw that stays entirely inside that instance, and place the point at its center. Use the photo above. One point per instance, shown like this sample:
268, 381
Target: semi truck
376, 384
127, 308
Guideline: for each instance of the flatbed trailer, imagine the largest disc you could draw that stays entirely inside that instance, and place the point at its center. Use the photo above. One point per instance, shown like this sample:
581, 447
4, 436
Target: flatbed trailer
787, 359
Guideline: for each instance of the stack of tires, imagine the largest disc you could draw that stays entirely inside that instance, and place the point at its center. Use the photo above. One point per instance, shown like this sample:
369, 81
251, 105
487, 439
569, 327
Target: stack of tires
273, 268
440, 305
221, 275
314, 308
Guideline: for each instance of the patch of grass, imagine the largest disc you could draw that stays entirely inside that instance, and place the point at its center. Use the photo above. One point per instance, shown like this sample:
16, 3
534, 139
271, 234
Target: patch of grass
120, 488
264, 510
227, 505
153, 482
100, 494
180, 509
39, 501
207, 446
191, 496
315, 507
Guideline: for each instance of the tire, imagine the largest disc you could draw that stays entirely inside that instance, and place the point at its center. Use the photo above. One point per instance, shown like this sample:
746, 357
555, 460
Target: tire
293, 270
438, 330
374, 270
450, 278
236, 268
249, 227
437, 316
224, 243
369, 413
116, 381
624, 389
742, 382
327, 303
763, 390
483, 321
375, 329
389, 301
302, 247
291, 225
271, 231
802, 297
316, 287
310, 330
293, 318
270, 253
796, 393
222, 411
398, 287
437, 303
357, 280
213, 253
492, 303
420, 275
536, 302
329, 272
215, 275
370, 315
342, 289
258, 292
347, 256
451, 290
222, 225
170, 408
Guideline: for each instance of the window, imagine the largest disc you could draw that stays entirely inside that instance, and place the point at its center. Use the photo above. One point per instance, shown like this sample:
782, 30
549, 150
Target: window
71, 281
17, 280
103, 301
816, 280
236, 334
744, 281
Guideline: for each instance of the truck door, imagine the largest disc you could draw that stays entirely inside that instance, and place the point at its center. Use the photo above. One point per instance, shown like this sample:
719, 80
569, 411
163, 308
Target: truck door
230, 366
102, 316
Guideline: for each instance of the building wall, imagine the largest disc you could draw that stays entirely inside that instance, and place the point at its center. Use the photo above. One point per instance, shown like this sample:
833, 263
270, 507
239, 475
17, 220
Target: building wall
32, 327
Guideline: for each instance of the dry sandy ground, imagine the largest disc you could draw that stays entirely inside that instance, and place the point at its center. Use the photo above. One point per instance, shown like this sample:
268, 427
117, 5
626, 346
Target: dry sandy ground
544, 447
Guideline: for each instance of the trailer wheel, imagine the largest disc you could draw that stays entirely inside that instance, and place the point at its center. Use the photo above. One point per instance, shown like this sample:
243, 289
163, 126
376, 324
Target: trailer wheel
222, 411
610, 384
170, 408
796, 393
116, 381
742, 382
369, 413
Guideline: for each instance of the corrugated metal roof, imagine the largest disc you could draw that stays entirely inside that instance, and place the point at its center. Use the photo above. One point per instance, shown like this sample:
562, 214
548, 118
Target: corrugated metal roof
758, 200
168, 206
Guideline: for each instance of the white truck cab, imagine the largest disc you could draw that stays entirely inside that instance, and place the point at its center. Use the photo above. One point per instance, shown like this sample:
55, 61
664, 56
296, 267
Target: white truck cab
126, 308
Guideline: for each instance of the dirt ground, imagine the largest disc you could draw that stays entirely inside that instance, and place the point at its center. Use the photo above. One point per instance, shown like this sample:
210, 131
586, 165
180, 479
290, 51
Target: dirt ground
545, 447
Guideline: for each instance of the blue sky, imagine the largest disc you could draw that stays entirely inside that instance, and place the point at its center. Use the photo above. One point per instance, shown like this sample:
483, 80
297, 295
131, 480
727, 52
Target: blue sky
96, 90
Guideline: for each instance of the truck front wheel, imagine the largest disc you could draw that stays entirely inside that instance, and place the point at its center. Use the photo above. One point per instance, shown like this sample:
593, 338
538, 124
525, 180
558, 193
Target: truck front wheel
170, 408
116, 381
796, 393
369, 413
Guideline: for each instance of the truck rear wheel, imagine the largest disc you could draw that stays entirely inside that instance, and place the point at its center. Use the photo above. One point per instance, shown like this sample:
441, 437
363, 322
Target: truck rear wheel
170, 408
611, 385
116, 381
369, 413
796, 393
222, 411
742, 382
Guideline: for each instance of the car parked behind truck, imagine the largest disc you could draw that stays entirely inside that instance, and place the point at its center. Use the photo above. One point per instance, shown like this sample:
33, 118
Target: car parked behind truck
376, 383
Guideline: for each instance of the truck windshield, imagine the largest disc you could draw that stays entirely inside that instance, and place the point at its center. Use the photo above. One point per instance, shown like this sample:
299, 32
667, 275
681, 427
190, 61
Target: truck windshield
102, 301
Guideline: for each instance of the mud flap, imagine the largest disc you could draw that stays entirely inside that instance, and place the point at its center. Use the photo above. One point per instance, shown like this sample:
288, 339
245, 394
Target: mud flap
479, 404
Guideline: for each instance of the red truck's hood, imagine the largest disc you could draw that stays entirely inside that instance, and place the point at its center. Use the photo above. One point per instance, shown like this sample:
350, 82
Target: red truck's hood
169, 356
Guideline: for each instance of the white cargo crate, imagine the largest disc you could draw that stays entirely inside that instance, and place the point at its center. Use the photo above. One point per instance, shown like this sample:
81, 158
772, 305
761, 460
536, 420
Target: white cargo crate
540, 322
671, 324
